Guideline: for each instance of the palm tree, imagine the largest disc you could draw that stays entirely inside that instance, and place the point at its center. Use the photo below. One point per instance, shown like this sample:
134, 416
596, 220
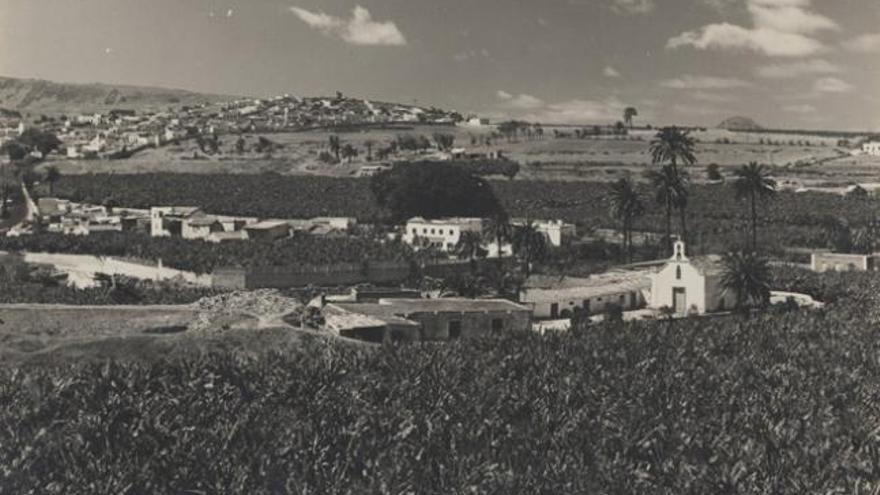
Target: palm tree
673, 146
369, 143
625, 205
753, 182
469, 245
747, 275
529, 244
670, 191
499, 230
52, 175
628, 114
335, 145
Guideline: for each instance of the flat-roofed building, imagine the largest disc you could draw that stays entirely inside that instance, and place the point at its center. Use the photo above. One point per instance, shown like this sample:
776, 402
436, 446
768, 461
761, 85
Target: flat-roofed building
441, 233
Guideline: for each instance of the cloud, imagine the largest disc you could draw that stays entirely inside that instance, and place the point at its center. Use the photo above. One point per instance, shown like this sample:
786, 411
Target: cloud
866, 43
712, 97
832, 85
360, 29
704, 82
230, 13
609, 71
521, 101
630, 7
578, 111
781, 28
469, 54
798, 69
801, 109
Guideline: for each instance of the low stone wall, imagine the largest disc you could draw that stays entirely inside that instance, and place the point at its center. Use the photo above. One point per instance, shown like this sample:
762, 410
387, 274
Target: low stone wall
82, 268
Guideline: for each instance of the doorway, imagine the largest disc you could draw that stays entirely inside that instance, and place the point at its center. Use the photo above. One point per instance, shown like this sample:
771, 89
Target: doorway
679, 300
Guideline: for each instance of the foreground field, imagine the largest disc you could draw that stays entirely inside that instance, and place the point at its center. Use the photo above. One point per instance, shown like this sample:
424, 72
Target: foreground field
783, 402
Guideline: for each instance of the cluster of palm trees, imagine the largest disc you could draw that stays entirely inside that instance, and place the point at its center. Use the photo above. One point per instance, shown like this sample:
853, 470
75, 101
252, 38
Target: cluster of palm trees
528, 243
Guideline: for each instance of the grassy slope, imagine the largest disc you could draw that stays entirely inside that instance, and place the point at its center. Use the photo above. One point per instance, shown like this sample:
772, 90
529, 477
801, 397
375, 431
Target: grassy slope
38, 96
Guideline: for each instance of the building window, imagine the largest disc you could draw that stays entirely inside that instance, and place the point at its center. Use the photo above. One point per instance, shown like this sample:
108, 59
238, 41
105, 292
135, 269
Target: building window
497, 324
678, 273
622, 300
454, 328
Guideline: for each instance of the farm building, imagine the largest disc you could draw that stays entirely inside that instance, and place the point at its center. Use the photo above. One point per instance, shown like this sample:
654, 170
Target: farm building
560, 297
268, 230
440, 319
200, 227
167, 221
840, 262
871, 148
442, 234
690, 285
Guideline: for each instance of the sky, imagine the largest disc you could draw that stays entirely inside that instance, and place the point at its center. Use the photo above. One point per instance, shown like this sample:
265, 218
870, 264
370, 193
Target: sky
785, 63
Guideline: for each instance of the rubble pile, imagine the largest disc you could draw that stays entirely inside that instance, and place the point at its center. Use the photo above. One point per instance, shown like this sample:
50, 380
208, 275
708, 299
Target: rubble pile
225, 311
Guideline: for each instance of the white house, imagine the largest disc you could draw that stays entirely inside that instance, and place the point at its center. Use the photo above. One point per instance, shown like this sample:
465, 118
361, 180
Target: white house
443, 233
842, 262
168, 221
871, 148
690, 285
561, 297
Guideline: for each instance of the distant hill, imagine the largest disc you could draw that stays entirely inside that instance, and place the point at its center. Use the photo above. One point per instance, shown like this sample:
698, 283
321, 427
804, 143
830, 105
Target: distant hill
740, 124
37, 96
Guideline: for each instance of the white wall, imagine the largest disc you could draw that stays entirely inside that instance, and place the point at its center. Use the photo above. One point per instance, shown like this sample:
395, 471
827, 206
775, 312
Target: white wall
694, 284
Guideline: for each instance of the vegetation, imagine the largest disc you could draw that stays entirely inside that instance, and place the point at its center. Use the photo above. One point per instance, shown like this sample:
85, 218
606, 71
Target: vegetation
625, 206
203, 257
753, 183
747, 276
781, 402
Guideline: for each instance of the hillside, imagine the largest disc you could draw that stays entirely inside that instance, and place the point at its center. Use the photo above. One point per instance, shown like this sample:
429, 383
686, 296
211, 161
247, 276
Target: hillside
739, 124
37, 96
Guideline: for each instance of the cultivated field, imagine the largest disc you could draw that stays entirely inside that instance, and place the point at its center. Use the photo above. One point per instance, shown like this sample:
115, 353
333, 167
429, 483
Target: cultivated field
805, 160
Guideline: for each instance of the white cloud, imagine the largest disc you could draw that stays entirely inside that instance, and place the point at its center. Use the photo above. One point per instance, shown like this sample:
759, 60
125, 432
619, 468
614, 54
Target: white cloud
632, 6
521, 101
579, 111
712, 97
609, 71
798, 69
230, 13
832, 85
801, 109
469, 54
360, 29
781, 28
866, 43
704, 82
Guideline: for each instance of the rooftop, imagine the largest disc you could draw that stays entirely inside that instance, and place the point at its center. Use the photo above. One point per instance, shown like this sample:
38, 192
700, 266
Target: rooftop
403, 307
267, 224
539, 289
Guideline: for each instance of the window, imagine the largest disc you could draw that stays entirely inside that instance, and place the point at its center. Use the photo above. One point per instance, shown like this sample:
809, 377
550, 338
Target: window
454, 328
497, 324
432, 231
622, 300
678, 273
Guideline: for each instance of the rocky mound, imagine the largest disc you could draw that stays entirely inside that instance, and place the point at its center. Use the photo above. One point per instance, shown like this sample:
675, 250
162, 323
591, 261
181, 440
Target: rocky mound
740, 124
260, 308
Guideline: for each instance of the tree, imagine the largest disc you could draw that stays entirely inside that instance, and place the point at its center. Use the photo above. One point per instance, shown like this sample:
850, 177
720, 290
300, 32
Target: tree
52, 175
433, 190
499, 230
15, 150
43, 141
239, 145
712, 172
672, 146
628, 114
444, 140
335, 145
369, 143
625, 206
529, 244
753, 182
747, 275
349, 152
669, 190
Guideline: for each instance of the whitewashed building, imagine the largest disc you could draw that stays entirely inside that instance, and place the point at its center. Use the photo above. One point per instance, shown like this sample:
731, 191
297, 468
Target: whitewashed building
442, 234
871, 148
690, 285
561, 297
556, 231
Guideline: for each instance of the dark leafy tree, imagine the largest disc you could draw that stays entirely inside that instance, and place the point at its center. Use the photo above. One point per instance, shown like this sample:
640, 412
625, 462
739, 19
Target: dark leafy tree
753, 182
747, 275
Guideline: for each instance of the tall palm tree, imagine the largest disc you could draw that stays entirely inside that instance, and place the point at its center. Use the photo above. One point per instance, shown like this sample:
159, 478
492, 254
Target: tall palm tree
747, 275
625, 205
673, 146
753, 182
335, 145
628, 114
529, 244
499, 230
680, 201
52, 175
469, 245
670, 192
